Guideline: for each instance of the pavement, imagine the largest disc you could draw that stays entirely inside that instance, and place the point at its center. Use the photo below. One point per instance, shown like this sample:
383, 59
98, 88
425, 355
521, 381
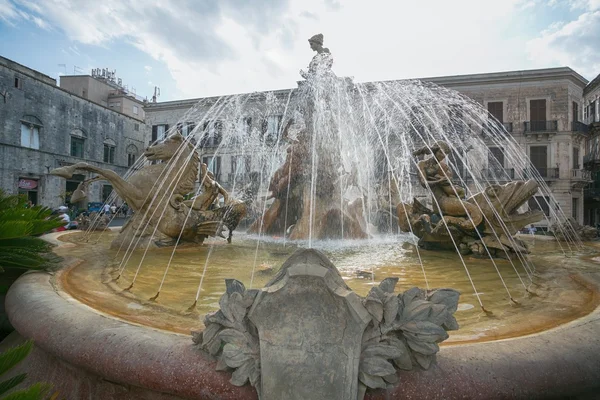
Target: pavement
118, 221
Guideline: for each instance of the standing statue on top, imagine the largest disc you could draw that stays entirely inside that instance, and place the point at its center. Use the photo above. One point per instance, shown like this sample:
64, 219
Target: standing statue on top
321, 62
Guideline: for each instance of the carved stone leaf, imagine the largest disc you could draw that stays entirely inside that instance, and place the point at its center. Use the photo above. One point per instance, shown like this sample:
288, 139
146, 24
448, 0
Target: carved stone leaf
423, 360
224, 305
439, 314
197, 337
236, 306
424, 331
390, 309
371, 333
388, 285
234, 286
209, 333
375, 308
249, 297
403, 361
241, 375
417, 310
255, 375
221, 364
213, 346
447, 297
376, 293
377, 366
425, 348
370, 381
392, 378
412, 293
234, 337
234, 356
217, 318
450, 324
381, 350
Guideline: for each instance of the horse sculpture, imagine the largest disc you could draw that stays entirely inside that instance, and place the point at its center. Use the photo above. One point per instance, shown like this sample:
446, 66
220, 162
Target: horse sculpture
156, 195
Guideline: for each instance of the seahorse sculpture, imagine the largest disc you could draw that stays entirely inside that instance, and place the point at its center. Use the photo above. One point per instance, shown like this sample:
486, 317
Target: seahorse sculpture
156, 195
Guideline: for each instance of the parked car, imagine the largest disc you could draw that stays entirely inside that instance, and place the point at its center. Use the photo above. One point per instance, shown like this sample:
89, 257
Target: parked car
95, 206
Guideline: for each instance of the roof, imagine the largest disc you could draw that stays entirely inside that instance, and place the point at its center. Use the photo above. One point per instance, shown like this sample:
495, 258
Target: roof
592, 85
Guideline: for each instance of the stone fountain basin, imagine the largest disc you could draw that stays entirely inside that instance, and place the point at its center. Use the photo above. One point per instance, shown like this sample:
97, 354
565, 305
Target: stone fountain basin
87, 354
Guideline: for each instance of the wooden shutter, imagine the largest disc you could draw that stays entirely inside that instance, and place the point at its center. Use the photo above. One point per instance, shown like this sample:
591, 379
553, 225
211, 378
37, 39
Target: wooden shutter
154, 133
537, 111
496, 108
539, 158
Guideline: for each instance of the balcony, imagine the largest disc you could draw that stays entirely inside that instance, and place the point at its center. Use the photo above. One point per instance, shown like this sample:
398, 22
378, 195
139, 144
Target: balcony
581, 174
578, 126
499, 174
591, 158
492, 127
540, 126
592, 193
546, 173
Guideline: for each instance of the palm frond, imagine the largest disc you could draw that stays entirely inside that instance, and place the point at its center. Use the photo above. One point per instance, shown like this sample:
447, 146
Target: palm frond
35, 392
14, 355
11, 383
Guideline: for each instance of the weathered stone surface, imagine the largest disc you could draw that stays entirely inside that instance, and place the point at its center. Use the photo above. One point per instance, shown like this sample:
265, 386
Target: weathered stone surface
310, 326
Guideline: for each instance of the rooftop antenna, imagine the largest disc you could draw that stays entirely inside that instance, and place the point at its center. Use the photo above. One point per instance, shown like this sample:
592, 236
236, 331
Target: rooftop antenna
156, 94
76, 70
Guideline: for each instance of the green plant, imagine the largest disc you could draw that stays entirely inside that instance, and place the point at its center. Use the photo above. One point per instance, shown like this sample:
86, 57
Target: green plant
8, 360
19, 226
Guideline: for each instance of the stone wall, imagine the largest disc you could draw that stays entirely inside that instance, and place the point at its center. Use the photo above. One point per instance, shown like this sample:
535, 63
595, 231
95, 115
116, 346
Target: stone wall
60, 116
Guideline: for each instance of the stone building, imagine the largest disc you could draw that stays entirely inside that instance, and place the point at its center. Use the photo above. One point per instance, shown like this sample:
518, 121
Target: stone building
591, 95
43, 126
541, 109
104, 89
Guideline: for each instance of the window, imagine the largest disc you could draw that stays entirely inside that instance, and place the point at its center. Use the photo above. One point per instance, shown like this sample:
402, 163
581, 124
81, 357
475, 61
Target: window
135, 110
496, 109
540, 203
132, 153
214, 165
575, 157
575, 112
106, 191
270, 128
159, 132
114, 104
212, 134
136, 127
30, 136
77, 146
574, 210
496, 158
537, 113
539, 158
18, 82
109, 154
185, 129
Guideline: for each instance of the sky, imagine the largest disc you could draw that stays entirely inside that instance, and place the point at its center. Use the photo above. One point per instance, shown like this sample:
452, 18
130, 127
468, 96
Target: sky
198, 48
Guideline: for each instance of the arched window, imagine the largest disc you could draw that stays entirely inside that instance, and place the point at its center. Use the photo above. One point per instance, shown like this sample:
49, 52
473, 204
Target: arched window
30, 131
109, 151
132, 153
78, 137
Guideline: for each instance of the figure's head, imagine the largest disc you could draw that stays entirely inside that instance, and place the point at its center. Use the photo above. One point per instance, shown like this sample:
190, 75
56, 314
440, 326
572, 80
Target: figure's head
166, 149
440, 149
316, 42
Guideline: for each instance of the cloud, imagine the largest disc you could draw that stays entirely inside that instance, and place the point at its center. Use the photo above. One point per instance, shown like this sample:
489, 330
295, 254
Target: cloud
333, 4
574, 43
310, 15
147, 68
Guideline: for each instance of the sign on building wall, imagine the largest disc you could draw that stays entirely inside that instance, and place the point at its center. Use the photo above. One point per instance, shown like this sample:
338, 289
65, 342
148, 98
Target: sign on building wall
28, 184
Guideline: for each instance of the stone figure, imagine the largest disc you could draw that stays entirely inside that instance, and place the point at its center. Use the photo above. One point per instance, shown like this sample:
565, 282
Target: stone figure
156, 194
321, 62
92, 222
483, 224
307, 335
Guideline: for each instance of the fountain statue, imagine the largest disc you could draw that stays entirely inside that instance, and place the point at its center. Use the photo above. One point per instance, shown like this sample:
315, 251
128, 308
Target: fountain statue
482, 224
156, 195
310, 203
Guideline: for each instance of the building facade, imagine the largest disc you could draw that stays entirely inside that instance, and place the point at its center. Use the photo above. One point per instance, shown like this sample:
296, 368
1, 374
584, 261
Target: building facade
591, 96
541, 109
43, 126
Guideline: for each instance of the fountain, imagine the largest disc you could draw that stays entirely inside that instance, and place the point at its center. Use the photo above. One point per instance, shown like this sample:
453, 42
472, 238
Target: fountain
356, 189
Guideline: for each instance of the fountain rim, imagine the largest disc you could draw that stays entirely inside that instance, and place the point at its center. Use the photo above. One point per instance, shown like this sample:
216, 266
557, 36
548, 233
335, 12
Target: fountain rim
168, 362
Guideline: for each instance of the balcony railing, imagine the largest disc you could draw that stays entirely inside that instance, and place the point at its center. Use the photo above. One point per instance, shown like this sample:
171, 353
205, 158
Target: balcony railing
499, 174
580, 127
491, 127
581, 174
592, 157
546, 173
541, 126
591, 192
